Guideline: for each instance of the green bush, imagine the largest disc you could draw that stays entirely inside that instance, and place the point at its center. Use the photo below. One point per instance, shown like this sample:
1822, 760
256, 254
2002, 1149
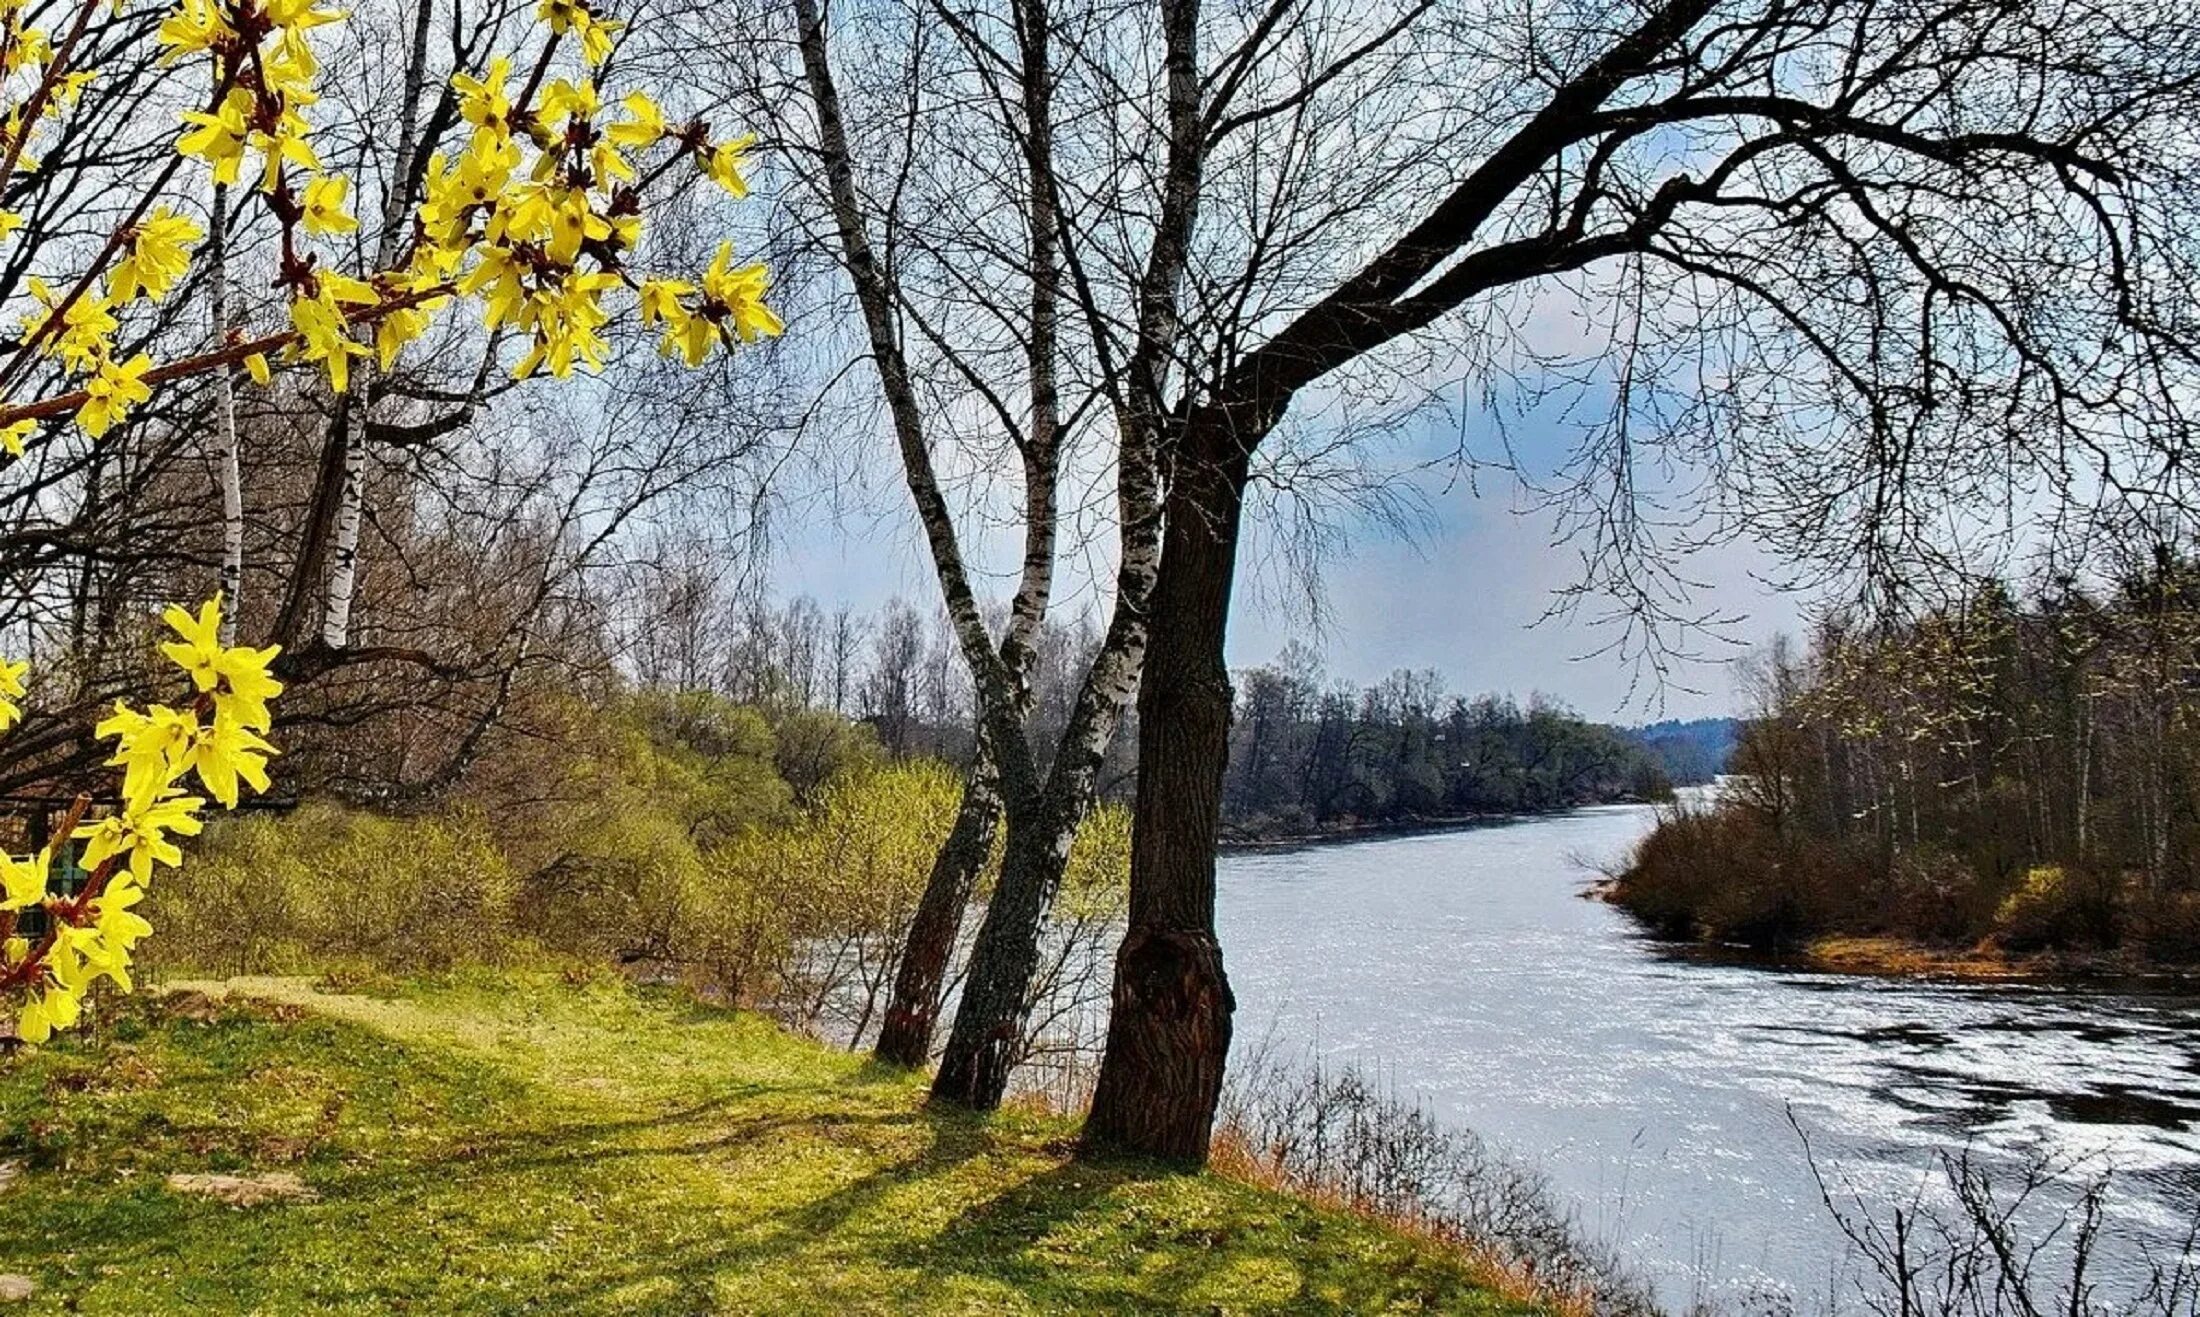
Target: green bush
327, 887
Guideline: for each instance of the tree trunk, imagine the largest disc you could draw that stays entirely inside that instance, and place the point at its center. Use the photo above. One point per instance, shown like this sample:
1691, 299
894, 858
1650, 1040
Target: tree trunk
988, 1037
905, 1038
228, 469
343, 581
1169, 1023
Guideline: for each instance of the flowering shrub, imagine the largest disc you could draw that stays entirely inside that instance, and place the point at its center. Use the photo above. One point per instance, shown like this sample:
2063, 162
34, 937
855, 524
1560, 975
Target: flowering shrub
216, 738
535, 220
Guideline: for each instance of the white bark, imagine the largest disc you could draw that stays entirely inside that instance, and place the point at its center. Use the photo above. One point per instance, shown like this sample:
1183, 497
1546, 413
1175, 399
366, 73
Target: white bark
227, 466
356, 419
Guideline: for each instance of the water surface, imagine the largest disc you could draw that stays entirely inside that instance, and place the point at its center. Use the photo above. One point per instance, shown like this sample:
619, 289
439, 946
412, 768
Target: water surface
1656, 1092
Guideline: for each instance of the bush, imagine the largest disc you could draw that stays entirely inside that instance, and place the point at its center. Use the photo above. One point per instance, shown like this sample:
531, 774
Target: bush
1727, 873
328, 887
2056, 905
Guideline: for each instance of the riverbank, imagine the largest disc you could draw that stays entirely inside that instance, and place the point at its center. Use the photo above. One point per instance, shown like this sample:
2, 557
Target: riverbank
1906, 958
521, 1141
1886, 956
1255, 842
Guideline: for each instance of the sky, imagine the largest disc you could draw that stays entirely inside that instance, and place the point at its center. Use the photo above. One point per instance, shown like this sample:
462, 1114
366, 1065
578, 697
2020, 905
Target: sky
1466, 595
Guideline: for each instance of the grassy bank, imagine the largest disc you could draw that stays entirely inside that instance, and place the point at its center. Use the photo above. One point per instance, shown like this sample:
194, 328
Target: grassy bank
519, 1143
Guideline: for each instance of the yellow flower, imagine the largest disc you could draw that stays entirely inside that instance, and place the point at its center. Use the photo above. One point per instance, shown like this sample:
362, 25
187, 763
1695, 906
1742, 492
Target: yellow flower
285, 144
236, 675
219, 137
118, 387
225, 752
739, 296
643, 125
22, 881
324, 206
150, 747
199, 652
574, 222
11, 691
722, 163
396, 329
321, 326
69, 91
120, 928
160, 252
573, 16
482, 102
86, 326
298, 15
192, 26
13, 435
566, 319
246, 686
140, 832
691, 336
43, 1013
563, 101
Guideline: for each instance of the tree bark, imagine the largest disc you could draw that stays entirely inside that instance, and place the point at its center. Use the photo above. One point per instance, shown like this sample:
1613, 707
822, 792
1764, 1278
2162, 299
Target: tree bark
905, 1037
988, 1038
227, 464
1169, 1023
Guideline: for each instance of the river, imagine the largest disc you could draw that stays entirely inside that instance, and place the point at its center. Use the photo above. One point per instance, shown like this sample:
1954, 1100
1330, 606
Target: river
1655, 1092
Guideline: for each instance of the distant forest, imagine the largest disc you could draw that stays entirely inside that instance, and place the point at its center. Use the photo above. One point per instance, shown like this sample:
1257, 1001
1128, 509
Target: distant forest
2025, 772
1308, 754
1307, 758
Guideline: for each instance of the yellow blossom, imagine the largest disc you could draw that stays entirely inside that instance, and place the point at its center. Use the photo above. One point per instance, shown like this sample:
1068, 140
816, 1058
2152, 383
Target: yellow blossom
23, 881
160, 252
323, 207
112, 392
722, 163
219, 137
11, 692
643, 125
739, 296
482, 102
140, 833
321, 325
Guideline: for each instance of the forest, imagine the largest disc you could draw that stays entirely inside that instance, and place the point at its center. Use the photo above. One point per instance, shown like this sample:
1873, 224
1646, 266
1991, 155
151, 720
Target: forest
2019, 771
1305, 759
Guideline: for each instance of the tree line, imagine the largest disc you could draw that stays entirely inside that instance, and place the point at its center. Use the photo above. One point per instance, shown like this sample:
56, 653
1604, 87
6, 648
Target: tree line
2023, 769
1307, 758
1308, 755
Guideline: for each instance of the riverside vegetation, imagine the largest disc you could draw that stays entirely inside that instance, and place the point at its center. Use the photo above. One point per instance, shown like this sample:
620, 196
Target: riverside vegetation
574, 1011
2002, 784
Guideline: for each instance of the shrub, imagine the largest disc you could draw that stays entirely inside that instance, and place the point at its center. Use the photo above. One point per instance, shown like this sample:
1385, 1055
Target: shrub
2056, 905
328, 887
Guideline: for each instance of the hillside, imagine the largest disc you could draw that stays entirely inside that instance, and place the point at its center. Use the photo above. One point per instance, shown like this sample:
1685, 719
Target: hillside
522, 1144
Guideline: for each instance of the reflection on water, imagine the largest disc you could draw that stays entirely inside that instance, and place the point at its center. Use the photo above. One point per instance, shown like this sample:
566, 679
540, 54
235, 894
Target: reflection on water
1658, 1093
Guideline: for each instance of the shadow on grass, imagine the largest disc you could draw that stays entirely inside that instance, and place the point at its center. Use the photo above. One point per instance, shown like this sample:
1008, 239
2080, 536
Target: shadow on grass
686, 1275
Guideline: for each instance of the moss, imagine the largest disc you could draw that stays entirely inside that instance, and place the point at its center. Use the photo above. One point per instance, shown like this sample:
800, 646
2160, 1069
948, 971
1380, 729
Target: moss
493, 1144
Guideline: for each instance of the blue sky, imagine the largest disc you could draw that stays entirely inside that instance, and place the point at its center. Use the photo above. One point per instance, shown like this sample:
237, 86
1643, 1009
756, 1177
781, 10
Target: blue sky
1463, 596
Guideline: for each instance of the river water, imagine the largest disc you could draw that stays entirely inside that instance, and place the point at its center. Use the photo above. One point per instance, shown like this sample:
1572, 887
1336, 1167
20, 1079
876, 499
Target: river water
1656, 1092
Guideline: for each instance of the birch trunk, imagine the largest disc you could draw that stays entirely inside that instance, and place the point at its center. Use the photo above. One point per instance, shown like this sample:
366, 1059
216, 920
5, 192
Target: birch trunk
343, 583
228, 467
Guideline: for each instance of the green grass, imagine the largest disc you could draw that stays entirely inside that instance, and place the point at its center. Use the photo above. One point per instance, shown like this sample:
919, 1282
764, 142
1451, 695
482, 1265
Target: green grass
517, 1143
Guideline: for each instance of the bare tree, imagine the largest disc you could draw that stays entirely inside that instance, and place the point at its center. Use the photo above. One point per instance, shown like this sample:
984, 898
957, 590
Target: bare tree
1863, 266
